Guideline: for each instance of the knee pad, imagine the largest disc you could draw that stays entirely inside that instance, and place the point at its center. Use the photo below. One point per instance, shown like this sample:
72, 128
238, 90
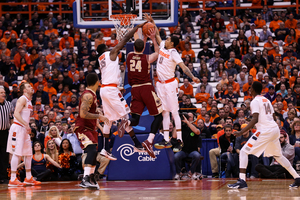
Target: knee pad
91, 156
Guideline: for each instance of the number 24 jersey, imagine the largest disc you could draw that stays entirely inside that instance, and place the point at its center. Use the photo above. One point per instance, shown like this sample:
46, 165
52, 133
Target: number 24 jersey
264, 108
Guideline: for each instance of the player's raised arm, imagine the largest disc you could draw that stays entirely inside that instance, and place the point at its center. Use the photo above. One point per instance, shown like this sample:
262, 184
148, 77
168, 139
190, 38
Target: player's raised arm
115, 51
153, 57
187, 71
86, 102
21, 103
150, 19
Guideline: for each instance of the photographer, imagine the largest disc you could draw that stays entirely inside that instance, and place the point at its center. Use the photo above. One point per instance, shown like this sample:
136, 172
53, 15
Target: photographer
192, 144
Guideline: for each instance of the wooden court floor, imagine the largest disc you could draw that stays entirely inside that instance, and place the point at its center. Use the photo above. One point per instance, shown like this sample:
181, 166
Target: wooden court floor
152, 190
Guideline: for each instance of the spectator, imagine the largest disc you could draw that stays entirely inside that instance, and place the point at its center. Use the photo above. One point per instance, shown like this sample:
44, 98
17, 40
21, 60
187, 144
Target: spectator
112, 42
259, 22
242, 78
215, 61
258, 58
62, 42
205, 54
275, 170
41, 93
192, 149
181, 46
191, 34
225, 35
189, 52
281, 32
291, 22
187, 88
264, 34
202, 95
53, 135
231, 26
208, 89
223, 50
19, 56
248, 33
266, 14
186, 23
275, 24
204, 72
230, 70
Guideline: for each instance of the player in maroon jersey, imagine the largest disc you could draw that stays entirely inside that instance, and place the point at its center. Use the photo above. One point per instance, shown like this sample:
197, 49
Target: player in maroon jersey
85, 129
142, 92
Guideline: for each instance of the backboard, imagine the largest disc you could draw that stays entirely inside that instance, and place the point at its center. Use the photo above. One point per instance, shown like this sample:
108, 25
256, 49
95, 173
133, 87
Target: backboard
97, 14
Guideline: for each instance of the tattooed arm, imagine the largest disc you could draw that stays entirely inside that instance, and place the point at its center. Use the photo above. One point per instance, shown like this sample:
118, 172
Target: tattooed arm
187, 71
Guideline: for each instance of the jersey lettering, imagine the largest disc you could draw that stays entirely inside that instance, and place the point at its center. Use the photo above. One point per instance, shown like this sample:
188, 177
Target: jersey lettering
267, 108
135, 65
164, 54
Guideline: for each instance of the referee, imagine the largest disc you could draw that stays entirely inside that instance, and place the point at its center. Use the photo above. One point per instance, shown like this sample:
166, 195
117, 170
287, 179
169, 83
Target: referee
6, 110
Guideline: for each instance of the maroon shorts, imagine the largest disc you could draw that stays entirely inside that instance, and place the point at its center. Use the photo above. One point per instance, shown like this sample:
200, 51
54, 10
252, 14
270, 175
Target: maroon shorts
86, 136
142, 96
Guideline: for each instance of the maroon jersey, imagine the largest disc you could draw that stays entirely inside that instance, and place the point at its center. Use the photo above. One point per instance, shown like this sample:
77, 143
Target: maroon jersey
88, 123
138, 69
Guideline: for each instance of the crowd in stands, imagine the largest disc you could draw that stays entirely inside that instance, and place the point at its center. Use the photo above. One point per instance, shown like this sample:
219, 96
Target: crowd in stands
55, 57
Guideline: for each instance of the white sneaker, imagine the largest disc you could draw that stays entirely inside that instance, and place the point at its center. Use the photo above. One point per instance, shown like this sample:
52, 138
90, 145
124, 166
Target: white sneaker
107, 154
196, 176
177, 177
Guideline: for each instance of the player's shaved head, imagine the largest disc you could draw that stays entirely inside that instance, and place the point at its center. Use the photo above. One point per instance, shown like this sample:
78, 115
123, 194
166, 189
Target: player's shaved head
257, 87
101, 49
139, 45
91, 79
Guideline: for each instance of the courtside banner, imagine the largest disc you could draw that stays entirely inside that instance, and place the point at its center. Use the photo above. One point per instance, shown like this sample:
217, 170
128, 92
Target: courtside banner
131, 165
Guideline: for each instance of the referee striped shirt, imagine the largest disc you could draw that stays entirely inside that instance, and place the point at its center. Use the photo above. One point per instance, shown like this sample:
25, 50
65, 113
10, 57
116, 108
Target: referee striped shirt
6, 110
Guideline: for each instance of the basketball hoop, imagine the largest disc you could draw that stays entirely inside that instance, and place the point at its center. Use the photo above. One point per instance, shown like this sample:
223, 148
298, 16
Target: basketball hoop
123, 24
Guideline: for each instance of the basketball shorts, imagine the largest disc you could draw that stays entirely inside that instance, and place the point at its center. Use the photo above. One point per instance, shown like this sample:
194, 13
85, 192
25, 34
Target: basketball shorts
266, 141
19, 142
167, 92
142, 96
86, 136
114, 104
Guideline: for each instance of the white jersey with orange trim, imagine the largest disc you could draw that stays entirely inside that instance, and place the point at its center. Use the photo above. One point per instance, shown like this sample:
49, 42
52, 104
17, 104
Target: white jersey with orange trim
167, 61
110, 70
264, 108
26, 111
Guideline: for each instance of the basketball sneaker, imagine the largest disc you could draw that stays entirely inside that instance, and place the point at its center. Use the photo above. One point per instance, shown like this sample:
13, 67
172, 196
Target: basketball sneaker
107, 154
177, 177
139, 148
16, 183
163, 144
86, 183
296, 184
178, 146
240, 184
148, 147
31, 181
93, 181
122, 126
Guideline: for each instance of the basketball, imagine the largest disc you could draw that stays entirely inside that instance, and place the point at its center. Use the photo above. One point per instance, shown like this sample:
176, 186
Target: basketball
147, 27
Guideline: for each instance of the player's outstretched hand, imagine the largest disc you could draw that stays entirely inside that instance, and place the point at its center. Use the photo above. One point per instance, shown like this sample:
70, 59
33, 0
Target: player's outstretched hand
141, 25
196, 80
152, 32
237, 133
148, 18
104, 119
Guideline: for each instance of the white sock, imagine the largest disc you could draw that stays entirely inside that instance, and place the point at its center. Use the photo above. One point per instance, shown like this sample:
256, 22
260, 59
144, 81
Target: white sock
243, 176
92, 170
151, 137
128, 122
13, 176
166, 135
27, 161
177, 121
87, 171
14, 165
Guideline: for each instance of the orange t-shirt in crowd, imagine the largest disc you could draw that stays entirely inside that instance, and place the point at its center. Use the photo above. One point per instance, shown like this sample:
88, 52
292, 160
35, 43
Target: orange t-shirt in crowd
264, 91
270, 52
292, 81
12, 32
231, 27
246, 87
68, 95
50, 91
259, 23
5, 40
200, 97
98, 42
236, 87
248, 97
180, 46
111, 43
291, 24
48, 32
51, 58
39, 71
7, 52
72, 75
188, 91
275, 25
191, 53
293, 39
236, 61
62, 42
106, 32
283, 102
256, 38
35, 86
28, 42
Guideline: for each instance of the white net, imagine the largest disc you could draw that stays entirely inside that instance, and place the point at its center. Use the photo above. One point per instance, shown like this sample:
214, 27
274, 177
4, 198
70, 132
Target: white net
123, 24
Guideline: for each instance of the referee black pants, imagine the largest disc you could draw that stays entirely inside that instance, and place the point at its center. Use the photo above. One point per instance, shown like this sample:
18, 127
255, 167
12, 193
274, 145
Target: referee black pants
4, 156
